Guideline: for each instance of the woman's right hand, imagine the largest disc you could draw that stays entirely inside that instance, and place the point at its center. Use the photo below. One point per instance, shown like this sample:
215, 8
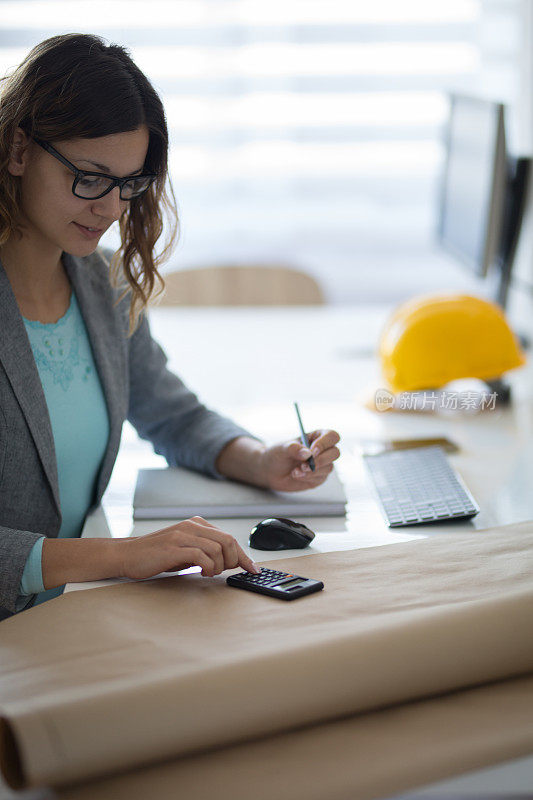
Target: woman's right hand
193, 542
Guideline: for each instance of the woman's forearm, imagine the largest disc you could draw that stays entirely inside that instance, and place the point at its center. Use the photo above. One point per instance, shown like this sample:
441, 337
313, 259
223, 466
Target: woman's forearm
79, 560
242, 460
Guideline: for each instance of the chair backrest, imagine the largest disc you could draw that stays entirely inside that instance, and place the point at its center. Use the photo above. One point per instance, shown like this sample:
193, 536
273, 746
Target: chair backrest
254, 285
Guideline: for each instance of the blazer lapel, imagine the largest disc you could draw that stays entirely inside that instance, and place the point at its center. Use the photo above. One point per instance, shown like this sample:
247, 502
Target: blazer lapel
17, 358
95, 300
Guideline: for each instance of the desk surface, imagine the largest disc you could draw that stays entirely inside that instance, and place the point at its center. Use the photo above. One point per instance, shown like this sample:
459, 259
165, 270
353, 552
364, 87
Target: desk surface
251, 364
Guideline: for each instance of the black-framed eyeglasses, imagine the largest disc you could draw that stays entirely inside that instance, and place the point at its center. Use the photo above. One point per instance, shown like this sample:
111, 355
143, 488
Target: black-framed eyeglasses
92, 185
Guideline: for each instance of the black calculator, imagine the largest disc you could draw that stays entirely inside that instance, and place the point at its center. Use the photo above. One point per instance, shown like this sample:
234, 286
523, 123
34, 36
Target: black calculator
284, 585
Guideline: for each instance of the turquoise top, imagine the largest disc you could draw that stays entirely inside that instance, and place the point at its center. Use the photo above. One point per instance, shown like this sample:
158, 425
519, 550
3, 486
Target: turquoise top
80, 425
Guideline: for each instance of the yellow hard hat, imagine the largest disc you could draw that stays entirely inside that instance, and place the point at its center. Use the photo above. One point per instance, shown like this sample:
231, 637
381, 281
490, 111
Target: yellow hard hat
434, 339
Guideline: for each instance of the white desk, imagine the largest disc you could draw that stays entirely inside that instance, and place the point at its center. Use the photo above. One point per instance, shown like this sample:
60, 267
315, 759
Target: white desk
251, 364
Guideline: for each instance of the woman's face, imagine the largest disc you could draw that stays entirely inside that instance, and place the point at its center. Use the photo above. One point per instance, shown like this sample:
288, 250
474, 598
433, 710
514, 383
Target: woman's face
52, 216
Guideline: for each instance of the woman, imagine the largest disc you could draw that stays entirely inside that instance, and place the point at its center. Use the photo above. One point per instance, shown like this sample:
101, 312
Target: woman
83, 143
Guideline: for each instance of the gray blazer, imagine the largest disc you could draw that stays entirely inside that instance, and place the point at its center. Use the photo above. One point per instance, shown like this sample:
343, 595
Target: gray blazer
137, 386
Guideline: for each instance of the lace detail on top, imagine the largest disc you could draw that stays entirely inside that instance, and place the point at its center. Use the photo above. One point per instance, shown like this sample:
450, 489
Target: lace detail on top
55, 346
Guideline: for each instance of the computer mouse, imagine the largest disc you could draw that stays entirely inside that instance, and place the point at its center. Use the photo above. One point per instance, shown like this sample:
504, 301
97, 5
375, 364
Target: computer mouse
280, 534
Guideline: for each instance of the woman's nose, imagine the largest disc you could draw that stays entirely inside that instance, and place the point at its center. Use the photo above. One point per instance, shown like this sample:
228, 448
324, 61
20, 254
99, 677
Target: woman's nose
110, 205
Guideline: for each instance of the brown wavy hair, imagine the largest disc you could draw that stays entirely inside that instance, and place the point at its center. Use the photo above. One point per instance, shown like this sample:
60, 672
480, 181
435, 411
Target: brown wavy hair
76, 86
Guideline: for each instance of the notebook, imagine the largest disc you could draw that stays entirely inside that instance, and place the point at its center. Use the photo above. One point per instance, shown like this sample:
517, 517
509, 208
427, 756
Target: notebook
178, 492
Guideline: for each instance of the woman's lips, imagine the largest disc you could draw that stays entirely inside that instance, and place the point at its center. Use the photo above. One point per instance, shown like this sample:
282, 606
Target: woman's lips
89, 233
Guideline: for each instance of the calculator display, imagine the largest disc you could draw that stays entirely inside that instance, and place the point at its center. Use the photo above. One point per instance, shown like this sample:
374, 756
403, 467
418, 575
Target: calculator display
290, 583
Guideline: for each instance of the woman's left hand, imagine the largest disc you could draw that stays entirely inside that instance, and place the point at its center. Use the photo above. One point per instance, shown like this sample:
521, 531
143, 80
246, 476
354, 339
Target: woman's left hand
284, 467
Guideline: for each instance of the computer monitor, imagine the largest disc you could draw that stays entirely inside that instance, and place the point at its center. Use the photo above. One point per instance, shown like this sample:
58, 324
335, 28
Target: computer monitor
474, 182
